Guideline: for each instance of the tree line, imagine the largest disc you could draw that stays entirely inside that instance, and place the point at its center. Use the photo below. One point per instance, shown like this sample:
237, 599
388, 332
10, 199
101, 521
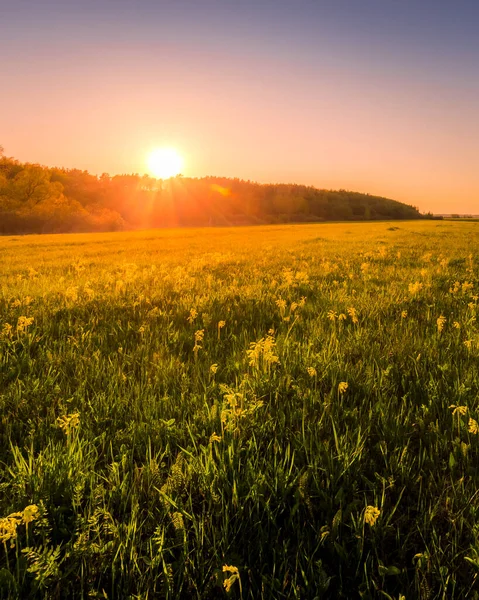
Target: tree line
38, 199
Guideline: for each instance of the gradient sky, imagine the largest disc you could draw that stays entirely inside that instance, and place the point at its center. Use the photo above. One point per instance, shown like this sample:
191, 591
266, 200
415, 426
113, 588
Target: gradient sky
379, 96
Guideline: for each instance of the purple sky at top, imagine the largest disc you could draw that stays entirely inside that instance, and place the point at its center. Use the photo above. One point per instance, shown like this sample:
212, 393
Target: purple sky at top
376, 96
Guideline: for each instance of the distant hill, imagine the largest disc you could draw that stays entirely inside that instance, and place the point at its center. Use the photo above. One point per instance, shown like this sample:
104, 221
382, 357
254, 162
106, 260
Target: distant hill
37, 199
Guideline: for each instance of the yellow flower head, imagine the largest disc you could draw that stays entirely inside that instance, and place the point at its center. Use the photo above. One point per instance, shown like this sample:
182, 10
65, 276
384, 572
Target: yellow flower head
353, 314
414, 288
69, 422
312, 372
7, 330
441, 321
24, 322
371, 515
460, 410
232, 578
192, 316
8, 528
30, 513
342, 387
473, 426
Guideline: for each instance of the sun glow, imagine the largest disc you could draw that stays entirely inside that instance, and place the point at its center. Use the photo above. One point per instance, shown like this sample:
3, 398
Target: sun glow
164, 163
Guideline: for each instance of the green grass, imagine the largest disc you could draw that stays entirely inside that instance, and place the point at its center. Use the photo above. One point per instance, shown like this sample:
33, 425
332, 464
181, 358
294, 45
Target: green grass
176, 469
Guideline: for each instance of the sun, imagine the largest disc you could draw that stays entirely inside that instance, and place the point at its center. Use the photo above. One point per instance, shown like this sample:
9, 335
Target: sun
164, 163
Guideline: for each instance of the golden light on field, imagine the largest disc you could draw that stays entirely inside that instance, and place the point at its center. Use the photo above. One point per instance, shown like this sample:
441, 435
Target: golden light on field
164, 163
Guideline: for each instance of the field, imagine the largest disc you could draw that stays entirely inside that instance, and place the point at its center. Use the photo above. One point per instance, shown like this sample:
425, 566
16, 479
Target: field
271, 412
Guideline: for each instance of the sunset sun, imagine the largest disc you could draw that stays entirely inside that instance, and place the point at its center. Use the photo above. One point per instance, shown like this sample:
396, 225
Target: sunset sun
164, 163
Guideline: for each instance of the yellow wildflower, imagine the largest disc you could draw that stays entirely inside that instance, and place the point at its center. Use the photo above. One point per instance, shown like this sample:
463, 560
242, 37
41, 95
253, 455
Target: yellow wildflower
7, 330
353, 314
312, 372
416, 287
232, 578
342, 387
214, 438
213, 368
441, 321
262, 352
24, 322
8, 527
30, 513
192, 316
69, 422
461, 410
473, 426
371, 515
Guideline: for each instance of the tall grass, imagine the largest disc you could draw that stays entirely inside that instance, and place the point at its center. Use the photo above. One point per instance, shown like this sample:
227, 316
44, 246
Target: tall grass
274, 412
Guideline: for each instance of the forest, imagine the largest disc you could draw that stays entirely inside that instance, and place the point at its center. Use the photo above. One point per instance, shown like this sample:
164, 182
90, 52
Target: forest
39, 199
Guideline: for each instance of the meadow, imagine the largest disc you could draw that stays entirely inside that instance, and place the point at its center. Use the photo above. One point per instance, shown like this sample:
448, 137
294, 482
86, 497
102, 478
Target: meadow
266, 412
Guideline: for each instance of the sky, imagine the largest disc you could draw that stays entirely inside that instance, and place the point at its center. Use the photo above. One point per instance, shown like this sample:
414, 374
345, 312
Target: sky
377, 96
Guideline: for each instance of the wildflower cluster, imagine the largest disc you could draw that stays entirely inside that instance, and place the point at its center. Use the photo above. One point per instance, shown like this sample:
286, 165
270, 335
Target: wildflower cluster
69, 422
352, 312
234, 576
262, 353
23, 323
441, 321
236, 407
282, 304
473, 426
7, 330
199, 335
371, 515
294, 279
415, 288
8, 525
192, 316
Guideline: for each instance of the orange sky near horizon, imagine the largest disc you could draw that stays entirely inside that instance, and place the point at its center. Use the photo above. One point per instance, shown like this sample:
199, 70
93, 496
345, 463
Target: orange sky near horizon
290, 105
